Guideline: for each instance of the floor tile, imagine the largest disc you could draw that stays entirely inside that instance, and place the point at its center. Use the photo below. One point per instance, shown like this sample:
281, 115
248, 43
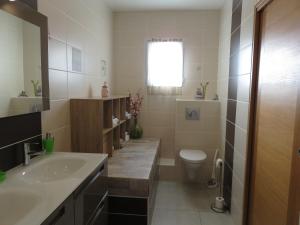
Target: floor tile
176, 217
186, 204
215, 219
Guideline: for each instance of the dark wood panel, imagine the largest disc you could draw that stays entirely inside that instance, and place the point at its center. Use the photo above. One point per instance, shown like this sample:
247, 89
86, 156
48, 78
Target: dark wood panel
232, 88
231, 110
234, 65
232, 96
13, 155
32, 3
17, 128
235, 42
227, 185
229, 154
235, 4
236, 17
230, 132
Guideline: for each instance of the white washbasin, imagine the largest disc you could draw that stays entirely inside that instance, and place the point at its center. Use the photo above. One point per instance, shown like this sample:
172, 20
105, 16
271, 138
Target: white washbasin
53, 169
15, 205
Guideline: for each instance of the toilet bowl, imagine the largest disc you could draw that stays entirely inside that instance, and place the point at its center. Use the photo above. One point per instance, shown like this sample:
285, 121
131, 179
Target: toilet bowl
192, 160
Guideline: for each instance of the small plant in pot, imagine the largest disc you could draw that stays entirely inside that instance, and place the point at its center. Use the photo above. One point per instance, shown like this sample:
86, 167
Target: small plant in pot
136, 101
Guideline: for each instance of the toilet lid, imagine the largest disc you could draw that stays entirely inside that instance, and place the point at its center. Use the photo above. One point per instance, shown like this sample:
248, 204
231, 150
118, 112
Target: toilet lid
193, 156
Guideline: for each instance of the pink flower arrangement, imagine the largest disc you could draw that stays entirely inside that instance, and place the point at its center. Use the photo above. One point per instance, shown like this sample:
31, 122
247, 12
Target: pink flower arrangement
136, 104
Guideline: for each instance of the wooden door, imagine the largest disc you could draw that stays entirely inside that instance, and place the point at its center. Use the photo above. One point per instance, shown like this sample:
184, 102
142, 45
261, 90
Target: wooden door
276, 133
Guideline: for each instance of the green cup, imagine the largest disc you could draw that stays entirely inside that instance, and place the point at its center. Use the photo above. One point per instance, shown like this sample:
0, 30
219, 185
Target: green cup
48, 145
2, 176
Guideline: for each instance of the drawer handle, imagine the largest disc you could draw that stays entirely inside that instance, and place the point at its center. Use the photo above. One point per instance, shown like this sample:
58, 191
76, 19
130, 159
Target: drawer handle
98, 213
59, 215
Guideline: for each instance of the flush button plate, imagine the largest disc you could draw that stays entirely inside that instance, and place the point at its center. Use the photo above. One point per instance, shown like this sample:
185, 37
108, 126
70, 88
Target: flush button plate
192, 113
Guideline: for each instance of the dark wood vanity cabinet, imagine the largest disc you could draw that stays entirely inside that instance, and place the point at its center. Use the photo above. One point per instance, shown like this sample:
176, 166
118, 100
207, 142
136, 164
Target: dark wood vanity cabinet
87, 205
63, 215
90, 198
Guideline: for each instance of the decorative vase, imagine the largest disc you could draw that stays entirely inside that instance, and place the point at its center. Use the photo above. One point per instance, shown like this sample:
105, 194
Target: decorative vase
136, 131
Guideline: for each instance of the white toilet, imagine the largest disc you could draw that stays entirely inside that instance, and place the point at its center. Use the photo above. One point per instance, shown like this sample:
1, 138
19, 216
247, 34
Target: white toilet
192, 160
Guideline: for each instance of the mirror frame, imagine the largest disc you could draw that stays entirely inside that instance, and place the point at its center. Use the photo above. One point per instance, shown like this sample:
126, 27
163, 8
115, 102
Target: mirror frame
28, 14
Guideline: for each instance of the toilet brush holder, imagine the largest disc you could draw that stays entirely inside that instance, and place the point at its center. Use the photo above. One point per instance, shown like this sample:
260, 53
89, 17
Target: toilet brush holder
218, 205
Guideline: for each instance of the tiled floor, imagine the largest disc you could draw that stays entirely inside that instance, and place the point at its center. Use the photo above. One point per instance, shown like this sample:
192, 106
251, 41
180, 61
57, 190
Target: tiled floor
186, 204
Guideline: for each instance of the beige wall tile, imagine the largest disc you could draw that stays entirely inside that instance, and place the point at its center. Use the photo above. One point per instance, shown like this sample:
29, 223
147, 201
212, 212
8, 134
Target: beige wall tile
248, 9
131, 21
208, 124
57, 117
242, 112
200, 139
56, 20
77, 85
159, 119
57, 54
167, 149
239, 167
58, 82
237, 200
164, 133
87, 26
161, 103
243, 92
240, 141
247, 34
193, 72
62, 139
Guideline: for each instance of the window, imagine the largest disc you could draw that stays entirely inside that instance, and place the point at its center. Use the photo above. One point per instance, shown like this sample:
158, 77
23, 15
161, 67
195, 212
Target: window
165, 67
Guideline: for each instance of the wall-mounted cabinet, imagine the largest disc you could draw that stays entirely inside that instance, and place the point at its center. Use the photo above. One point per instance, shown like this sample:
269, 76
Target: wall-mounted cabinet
93, 130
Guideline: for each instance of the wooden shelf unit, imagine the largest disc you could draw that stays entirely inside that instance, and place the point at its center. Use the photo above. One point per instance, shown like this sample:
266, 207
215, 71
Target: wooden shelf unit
92, 129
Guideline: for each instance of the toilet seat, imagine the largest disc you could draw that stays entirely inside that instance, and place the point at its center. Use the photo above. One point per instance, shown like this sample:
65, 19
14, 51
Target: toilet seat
193, 156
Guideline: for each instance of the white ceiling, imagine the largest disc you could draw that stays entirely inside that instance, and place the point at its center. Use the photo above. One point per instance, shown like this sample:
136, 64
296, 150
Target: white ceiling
142, 5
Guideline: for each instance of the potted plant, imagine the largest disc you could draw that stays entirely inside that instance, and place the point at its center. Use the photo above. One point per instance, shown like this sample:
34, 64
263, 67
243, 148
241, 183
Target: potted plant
136, 101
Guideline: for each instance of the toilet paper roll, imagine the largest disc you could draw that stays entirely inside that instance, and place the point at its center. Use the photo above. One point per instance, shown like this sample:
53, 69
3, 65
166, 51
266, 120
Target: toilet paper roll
219, 163
219, 204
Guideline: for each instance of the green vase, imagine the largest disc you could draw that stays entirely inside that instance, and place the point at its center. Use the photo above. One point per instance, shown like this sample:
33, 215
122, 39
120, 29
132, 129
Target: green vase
136, 131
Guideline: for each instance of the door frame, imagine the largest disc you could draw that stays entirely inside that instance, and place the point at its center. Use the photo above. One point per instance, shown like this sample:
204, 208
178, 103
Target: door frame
250, 157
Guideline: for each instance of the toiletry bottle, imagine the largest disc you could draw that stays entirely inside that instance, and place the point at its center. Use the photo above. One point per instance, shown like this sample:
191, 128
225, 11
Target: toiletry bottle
104, 92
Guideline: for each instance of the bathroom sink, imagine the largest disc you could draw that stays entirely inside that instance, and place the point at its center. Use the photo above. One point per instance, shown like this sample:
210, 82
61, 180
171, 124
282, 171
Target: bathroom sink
15, 205
53, 169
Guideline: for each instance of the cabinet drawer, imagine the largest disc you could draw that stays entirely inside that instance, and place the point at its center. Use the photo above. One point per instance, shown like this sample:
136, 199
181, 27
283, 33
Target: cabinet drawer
119, 219
89, 198
124, 205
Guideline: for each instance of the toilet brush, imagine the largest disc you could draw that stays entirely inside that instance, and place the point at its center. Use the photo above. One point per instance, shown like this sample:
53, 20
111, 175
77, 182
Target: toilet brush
212, 183
218, 205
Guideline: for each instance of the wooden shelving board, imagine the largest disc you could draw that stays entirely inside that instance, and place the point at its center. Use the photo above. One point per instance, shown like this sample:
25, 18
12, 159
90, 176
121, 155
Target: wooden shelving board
91, 122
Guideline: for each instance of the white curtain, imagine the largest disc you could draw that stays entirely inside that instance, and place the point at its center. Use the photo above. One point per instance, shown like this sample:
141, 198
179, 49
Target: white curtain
165, 67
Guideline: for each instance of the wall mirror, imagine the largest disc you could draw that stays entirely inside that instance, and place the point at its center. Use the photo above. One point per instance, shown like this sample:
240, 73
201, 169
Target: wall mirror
24, 86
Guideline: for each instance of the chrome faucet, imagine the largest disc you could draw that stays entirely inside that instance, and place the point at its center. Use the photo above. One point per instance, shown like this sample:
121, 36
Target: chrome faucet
28, 153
